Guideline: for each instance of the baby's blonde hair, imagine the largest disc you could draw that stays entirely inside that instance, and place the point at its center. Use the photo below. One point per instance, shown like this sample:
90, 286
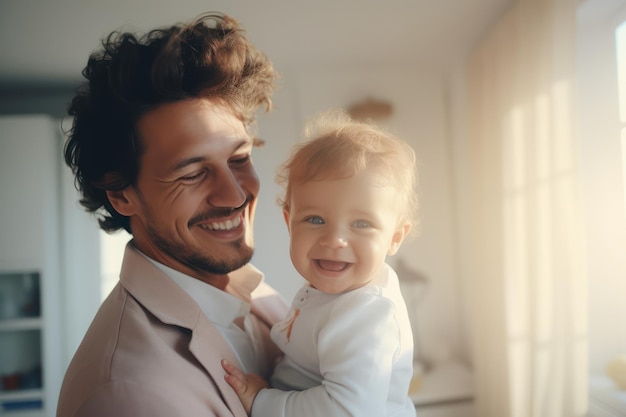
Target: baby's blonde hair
337, 147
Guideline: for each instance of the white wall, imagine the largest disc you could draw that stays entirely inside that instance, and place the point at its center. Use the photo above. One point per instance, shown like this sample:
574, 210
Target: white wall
279, 129
462, 193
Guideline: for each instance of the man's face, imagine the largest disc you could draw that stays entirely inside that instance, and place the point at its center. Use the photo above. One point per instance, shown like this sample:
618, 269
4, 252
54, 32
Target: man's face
193, 205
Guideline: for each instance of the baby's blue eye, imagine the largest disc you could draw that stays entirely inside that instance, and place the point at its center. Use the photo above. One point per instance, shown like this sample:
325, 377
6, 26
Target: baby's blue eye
361, 224
315, 220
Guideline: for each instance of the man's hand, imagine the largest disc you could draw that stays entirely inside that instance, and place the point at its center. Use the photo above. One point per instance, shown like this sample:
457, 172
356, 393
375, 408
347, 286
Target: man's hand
247, 386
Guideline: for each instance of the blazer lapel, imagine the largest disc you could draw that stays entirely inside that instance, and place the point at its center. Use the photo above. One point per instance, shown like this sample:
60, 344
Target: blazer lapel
170, 304
204, 335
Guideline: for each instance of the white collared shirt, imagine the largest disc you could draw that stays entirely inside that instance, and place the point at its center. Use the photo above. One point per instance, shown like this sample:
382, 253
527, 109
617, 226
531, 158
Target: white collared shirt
222, 309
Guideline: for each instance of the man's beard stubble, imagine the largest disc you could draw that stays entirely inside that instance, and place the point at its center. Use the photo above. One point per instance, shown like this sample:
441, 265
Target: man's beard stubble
202, 262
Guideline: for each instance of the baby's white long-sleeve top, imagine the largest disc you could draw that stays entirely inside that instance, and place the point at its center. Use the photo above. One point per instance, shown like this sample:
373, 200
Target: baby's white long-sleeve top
347, 354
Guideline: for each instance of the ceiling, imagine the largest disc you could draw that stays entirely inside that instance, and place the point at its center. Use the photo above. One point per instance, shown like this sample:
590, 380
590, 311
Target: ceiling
47, 42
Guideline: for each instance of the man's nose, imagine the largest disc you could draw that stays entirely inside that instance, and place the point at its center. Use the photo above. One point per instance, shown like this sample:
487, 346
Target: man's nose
227, 190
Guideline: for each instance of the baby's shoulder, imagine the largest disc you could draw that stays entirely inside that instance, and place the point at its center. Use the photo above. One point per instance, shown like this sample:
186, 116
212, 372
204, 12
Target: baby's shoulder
371, 298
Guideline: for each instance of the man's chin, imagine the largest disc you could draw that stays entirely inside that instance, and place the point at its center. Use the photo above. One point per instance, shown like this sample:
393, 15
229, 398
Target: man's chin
224, 265
246, 257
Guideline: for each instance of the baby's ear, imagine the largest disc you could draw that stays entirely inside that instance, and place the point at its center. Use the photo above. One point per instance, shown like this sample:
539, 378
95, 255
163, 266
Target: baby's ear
286, 217
398, 237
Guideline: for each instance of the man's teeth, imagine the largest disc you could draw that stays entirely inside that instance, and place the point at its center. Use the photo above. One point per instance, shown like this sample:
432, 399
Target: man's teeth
227, 225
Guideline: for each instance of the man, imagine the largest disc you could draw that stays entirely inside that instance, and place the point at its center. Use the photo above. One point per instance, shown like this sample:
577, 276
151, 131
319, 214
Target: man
161, 146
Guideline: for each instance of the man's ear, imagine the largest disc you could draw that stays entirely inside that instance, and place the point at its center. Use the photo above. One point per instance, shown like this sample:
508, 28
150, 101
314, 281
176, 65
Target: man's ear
398, 237
122, 201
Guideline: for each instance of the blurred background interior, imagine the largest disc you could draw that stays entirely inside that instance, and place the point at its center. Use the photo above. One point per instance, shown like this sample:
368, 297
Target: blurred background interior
516, 110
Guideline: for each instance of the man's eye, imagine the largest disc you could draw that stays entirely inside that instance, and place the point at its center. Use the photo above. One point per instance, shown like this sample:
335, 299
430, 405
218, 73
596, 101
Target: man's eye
315, 220
361, 224
196, 176
241, 160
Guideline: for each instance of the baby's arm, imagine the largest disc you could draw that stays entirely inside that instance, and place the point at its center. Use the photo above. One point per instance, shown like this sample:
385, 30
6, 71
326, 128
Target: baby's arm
247, 386
355, 355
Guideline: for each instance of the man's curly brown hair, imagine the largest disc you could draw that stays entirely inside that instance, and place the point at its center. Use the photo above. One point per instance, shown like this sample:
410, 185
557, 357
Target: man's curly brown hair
130, 75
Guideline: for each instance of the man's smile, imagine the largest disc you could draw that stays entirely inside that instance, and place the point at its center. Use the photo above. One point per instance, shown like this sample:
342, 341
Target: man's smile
223, 225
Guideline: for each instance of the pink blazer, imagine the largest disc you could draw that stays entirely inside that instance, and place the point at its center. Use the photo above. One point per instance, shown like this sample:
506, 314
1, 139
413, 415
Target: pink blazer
150, 351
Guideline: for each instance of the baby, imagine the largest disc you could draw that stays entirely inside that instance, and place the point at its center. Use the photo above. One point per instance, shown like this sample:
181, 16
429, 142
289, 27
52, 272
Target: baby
349, 202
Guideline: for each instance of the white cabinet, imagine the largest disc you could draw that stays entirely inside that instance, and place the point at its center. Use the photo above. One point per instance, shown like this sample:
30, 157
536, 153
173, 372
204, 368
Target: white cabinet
31, 339
21, 328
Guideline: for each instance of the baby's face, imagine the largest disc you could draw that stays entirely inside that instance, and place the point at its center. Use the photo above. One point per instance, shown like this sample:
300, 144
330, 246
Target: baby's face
342, 230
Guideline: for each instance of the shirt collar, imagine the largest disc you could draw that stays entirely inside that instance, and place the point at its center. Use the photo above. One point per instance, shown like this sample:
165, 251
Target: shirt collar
221, 307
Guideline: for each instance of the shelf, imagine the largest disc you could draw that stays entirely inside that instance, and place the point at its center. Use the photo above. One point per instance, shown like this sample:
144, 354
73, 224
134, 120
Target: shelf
22, 403
26, 323
23, 413
25, 394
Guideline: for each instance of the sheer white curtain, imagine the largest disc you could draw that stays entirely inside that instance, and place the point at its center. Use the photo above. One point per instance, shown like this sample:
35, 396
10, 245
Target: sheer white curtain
525, 281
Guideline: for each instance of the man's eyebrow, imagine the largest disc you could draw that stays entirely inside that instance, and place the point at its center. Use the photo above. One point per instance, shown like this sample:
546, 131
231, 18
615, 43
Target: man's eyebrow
195, 159
189, 161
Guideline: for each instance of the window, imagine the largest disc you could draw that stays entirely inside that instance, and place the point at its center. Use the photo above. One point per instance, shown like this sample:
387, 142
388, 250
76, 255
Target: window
601, 73
620, 43
111, 253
